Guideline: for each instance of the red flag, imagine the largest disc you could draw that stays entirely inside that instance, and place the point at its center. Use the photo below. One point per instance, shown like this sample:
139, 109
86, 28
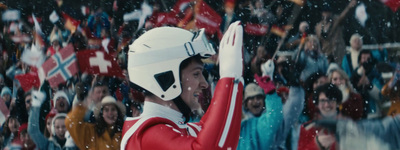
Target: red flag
28, 80
392, 4
61, 66
164, 18
70, 23
255, 29
98, 62
207, 18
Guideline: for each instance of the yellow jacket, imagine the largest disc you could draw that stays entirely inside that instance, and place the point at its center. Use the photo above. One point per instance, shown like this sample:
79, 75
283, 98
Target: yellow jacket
84, 134
394, 97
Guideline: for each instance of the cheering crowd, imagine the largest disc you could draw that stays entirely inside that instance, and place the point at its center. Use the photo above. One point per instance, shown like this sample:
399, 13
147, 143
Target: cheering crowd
68, 81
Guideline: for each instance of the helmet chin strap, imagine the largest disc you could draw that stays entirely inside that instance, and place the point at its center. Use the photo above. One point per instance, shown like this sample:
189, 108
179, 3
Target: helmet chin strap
183, 107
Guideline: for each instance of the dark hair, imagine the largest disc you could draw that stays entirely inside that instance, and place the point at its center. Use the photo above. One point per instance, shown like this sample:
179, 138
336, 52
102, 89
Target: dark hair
311, 80
101, 124
364, 52
6, 129
331, 91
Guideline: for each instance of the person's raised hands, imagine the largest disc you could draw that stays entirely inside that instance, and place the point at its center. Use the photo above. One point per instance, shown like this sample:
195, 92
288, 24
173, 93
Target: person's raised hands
230, 52
38, 98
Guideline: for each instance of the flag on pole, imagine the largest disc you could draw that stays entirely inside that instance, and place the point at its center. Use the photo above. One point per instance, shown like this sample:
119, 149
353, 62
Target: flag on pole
70, 23
61, 66
99, 63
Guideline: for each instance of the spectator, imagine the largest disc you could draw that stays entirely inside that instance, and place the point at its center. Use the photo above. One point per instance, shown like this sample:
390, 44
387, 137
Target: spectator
49, 118
312, 59
329, 31
390, 90
328, 98
352, 103
350, 61
57, 139
61, 102
6, 96
24, 141
368, 81
105, 133
10, 130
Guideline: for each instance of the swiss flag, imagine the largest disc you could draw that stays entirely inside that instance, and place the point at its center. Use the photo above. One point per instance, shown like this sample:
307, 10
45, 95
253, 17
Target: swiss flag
98, 62
61, 66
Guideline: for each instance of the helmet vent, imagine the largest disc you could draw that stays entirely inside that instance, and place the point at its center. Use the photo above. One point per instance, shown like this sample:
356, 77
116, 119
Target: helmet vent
165, 79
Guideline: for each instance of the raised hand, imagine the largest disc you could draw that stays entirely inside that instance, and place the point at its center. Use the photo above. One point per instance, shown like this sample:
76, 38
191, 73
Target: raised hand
38, 98
268, 68
230, 52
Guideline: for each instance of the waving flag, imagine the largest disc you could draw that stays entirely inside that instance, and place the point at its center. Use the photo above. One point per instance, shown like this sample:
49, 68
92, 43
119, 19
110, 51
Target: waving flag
255, 29
28, 80
61, 66
207, 18
98, 62
70, 23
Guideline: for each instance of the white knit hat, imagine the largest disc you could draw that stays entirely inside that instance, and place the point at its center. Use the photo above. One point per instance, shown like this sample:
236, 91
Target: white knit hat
58, 116
58, 95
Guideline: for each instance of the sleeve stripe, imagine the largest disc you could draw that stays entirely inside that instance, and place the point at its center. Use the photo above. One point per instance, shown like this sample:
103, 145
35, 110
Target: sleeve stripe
230, 115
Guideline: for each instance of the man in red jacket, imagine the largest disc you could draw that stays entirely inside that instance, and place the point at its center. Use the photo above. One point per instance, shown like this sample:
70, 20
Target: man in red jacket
166, 64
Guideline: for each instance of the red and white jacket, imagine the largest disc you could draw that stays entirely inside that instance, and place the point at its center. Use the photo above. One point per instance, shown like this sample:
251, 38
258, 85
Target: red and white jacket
160, 127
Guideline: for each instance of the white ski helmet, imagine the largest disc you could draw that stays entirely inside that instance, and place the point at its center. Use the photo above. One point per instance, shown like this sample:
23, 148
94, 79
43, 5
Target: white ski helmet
154, 58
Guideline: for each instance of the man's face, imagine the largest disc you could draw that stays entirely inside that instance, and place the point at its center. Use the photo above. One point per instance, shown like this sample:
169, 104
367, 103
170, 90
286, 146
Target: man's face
356, 44
62, 105
365, 58
28, 103
99, 93
255, 105
193, 82
326, 106
59, 128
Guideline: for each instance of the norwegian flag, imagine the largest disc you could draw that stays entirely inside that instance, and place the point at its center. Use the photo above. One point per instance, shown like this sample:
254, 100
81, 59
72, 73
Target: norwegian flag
61, 66
99, 63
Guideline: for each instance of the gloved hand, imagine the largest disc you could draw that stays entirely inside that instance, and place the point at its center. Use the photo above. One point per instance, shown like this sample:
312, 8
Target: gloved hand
38, 98
230, 52
81, 91
268, 68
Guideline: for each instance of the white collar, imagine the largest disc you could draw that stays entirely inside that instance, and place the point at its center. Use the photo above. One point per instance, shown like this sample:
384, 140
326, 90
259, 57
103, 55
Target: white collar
156, 110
